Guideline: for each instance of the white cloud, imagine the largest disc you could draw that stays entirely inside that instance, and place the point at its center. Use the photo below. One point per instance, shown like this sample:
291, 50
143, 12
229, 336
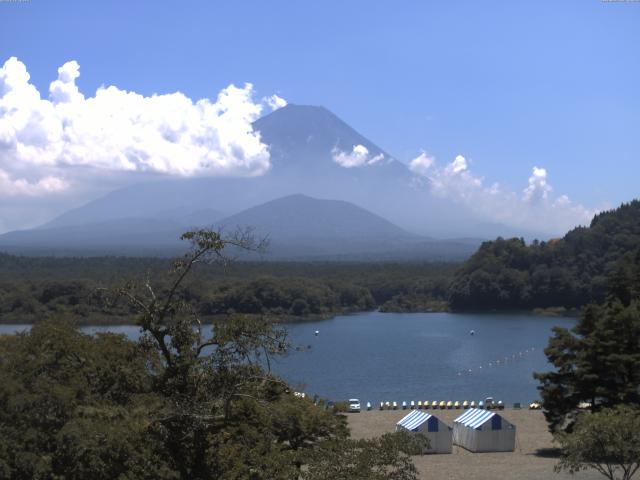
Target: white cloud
538, 188
534, 210
358, 157
15, 187
51, 145
422, 163
275, 102
453, 180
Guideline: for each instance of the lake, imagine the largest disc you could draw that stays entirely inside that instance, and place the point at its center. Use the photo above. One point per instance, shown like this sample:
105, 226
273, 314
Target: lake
377, 356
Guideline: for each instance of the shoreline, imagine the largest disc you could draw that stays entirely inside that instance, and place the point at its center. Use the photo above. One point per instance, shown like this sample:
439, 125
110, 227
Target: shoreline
534, 457
116, 321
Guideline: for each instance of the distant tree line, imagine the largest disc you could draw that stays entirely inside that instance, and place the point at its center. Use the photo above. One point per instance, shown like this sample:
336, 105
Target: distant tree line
569, 272
33, 289
505, 274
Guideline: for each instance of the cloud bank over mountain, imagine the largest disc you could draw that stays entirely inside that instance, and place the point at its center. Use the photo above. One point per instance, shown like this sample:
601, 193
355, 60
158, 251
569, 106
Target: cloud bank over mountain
534, 209
60, 150
47, 144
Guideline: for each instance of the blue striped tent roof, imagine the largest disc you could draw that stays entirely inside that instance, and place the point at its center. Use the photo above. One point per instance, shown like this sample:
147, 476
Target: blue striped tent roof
413, 420
474, 417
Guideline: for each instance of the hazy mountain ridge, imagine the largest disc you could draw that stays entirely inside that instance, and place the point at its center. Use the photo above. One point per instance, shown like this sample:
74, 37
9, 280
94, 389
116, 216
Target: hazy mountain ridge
303, 142
298, 227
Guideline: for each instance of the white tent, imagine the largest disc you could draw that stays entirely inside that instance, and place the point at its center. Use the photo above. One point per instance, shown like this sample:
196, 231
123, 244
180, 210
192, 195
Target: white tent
484, 431
438, 432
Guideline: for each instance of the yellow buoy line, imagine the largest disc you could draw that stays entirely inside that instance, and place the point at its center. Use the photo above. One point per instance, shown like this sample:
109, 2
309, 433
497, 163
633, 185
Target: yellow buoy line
438, 405
503, 361
462, 404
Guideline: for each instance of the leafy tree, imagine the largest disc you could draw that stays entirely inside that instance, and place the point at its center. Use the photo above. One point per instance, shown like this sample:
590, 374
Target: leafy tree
598, 361
177, 404
607, 441
221, 398
386, 457
77, 405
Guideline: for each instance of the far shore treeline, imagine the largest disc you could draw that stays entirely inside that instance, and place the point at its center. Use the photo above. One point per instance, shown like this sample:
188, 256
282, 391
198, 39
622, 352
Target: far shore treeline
569, 272
505, 274
33, 288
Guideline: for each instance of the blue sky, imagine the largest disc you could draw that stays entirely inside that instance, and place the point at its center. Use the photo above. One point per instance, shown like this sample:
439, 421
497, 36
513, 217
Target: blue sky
509, 85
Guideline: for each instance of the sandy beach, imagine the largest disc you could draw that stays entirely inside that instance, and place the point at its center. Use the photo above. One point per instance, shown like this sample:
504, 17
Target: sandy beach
533, 458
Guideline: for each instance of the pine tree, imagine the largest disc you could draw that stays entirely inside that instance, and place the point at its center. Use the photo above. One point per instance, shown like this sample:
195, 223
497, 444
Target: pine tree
598, 361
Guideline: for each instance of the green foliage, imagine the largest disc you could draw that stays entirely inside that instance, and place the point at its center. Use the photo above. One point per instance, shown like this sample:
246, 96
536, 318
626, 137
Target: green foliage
569, 272
32, 289
175, 405
607, 441
598, 361
296, 297
387, 457
75, 403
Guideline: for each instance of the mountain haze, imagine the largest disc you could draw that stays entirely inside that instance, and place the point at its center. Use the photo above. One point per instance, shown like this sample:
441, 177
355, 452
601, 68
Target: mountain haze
302, 141
297, 226
300, 216
304, 144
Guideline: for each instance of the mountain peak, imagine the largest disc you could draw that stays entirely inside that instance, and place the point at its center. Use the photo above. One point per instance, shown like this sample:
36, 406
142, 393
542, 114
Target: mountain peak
309, 133
294, 109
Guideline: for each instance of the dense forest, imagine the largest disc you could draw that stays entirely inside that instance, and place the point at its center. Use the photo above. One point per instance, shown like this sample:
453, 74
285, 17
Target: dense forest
598, 360
36, 288
568, 272
503, 274
168, 406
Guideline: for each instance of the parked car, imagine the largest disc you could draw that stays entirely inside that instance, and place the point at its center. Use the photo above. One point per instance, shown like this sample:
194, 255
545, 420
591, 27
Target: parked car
354, 405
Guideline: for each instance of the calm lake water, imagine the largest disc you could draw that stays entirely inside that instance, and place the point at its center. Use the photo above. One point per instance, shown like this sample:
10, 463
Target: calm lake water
425, 356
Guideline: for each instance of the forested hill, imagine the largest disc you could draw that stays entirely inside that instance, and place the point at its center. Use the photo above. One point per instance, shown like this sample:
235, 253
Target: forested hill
569, 272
